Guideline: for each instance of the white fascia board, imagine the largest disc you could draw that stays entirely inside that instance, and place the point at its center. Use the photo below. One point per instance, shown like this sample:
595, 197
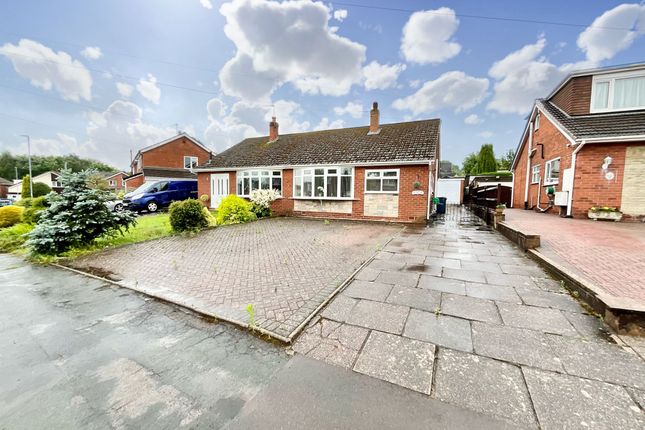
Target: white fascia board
297, 166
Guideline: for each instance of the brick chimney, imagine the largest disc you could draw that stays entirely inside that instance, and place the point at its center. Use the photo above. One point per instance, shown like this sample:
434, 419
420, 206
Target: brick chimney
374, 119
273, 130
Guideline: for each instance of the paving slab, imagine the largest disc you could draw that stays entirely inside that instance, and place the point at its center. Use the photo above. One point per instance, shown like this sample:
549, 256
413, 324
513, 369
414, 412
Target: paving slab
424, 269
589, 326
523, 269
490, 267
603, 361
439, 329
340, 308
446, 285
348, 400
509, 280
548, 299
484, 385
638, 396
469, 308
379, 316
516, 345
532, 317
443, 262
464, 275
367, 274
563, 401
419, 298
407, 279
368, 290
399, 360
380, 265
492, 292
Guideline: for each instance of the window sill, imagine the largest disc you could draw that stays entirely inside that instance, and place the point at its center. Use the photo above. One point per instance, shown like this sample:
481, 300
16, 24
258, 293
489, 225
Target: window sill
382, 192
548, 184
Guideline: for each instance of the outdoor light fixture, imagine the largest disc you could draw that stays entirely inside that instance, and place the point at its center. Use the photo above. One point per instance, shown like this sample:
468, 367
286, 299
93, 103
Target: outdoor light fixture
607, 162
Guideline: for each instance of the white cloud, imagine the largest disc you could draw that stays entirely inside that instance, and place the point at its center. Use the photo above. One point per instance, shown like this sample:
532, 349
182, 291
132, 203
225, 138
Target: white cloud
452, 90
340, 14
427, 36
120, 128
325, 124
206, 3
381, 76
287, 42
415, 83
522, 76
61, 144
355, 110
125, 90
47, 69
92, 53
473, 119
228, 126
601, 41
148, 89
486, 134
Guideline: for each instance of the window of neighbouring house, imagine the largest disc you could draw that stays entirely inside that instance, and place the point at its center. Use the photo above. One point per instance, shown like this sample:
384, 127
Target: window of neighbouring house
330, 182
535, 174
552, 172
190, 162
537, 121
250, 180
112, 182
616, 92
382, 181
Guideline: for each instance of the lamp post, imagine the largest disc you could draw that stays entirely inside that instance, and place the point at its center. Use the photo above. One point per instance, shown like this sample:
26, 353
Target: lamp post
31, 186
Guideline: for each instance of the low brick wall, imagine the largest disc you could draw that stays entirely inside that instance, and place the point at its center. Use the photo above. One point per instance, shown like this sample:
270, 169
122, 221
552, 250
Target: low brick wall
525, 241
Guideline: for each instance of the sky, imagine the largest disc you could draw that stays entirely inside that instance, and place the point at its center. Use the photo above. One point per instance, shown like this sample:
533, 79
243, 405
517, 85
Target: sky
101, 78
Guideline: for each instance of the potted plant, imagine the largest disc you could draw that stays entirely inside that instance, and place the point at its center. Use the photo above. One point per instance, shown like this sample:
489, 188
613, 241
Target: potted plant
499, 209
604, 213
416, 185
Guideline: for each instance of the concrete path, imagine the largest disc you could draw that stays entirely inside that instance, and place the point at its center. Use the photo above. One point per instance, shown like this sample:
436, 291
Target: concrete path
456, 312
609, 255
80, 354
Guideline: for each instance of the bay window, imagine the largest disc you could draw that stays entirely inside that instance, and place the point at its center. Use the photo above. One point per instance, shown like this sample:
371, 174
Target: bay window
619, 91
250, 180
333, 182
382, 181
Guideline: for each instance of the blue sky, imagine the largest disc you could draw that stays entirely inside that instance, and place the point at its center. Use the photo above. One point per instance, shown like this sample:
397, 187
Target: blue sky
100, 78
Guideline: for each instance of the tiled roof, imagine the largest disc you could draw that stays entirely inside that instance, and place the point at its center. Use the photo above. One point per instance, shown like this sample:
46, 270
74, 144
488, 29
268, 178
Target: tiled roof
599, 125
160, 172
405, 141
4, 181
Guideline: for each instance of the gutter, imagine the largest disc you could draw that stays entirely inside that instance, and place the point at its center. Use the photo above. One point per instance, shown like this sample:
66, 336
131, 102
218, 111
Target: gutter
573, 176
295, 166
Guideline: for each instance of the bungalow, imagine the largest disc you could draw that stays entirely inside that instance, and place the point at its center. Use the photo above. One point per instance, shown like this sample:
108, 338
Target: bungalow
171, 159
382, 172
584, 145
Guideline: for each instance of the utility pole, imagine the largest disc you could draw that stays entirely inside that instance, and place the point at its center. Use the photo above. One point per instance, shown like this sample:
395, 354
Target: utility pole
16, 167
31, 182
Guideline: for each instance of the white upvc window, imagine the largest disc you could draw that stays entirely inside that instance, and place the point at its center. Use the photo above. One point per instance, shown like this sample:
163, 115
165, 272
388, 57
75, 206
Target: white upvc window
258, 179
384, 181
112, 182
190, 161
537, 121
535, 174
328, 182
552, 172
618, 92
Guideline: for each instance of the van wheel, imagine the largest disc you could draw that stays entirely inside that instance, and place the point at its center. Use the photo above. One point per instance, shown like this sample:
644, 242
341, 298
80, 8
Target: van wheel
152, 207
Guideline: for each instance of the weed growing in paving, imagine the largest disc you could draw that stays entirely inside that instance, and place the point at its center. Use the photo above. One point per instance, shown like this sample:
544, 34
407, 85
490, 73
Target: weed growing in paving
250, 311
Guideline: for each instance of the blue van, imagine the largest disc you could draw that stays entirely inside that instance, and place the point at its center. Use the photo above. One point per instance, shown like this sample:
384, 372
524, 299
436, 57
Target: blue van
153, 196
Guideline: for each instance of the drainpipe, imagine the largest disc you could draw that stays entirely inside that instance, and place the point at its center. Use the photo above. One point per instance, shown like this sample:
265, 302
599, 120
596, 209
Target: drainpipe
513, 187
429, 185
573, 176
528, 167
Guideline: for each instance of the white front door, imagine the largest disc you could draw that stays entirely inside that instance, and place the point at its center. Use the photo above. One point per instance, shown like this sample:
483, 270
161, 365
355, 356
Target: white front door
219, 188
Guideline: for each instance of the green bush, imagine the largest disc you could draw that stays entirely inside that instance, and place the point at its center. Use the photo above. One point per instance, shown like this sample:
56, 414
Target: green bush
33, 209
10, 215
234, 210
12, 238
188, 215
260, 211
76, 217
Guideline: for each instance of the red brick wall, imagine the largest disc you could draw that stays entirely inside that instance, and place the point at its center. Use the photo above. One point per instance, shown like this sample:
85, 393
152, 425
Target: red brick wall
590, 187
171, 155
4, 189
134, 183
575, 97
412, 208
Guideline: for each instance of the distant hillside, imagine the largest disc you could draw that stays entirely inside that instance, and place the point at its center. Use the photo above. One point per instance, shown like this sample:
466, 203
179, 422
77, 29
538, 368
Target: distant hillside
40, 164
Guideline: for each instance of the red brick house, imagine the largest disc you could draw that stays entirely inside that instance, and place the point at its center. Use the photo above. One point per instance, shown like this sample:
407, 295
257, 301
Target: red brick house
171, 159
116, 181
4, 187
586, 141
382, 172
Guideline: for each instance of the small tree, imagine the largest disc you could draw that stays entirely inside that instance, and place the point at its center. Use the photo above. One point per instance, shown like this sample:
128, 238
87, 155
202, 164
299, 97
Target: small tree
486, 159
76, 217
505, 162
40, 189
25, 192
469, 165
188, 215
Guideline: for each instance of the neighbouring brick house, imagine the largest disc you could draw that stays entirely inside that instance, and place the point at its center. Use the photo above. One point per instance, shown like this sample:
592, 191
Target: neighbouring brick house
171, 159
587, 141
4, 187
116, 181
380, 172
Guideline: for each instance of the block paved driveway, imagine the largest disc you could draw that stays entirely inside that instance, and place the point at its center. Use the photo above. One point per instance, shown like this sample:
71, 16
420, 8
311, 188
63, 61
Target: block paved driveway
611, 255
285, 267
457, 312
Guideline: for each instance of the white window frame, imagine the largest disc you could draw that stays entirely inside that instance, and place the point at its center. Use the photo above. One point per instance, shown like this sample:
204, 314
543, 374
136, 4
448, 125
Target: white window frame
382, 171
547, 172
298, 179
611, 78
112, 182
536, 125
194, 161
256, 173
535, 172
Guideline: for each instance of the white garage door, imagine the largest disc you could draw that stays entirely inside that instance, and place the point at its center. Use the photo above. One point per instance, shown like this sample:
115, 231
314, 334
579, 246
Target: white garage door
450, 189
